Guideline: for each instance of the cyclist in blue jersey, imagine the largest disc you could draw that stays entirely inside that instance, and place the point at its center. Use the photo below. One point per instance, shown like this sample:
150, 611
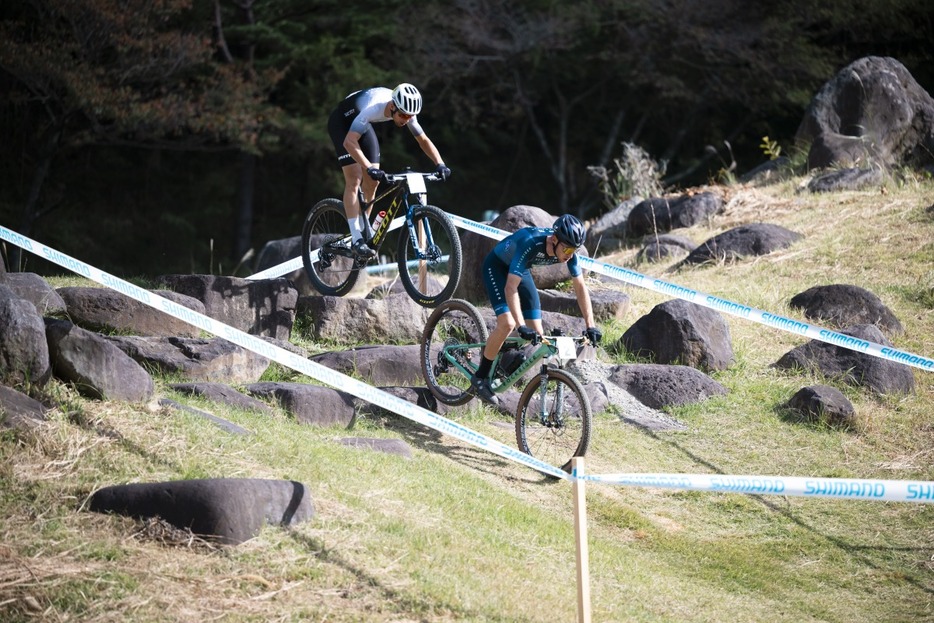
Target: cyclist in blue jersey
350, 127
513, 295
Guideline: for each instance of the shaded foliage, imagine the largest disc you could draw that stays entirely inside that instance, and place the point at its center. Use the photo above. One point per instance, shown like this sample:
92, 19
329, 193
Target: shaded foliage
167, 120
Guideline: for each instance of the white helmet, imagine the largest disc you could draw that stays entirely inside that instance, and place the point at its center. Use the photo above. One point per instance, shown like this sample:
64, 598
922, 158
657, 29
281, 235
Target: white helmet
407, 99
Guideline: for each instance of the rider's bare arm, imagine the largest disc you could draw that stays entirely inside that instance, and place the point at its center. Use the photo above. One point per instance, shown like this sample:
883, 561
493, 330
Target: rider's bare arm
512, 298
429, 148
583, 300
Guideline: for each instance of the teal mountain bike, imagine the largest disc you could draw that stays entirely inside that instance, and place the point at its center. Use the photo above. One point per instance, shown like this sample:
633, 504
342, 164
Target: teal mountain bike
553, 417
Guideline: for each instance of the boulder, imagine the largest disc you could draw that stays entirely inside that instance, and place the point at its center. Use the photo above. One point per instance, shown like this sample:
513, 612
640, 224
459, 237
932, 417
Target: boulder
95, 366
871, 111
229, 510
742, 242
851, 366
683, 333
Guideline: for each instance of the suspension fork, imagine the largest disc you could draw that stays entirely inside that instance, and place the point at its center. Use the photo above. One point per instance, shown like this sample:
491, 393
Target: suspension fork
543, 395
425, 231
552, 416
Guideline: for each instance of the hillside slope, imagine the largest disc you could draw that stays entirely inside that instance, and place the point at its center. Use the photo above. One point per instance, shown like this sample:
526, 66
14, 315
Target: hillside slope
458, 534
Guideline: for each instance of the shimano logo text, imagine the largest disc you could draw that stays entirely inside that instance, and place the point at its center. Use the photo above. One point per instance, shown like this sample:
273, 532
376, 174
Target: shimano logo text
70, 263
729, 306
845, 489
785, 323
748, 485
844, 340
903, 357
16, 238
920, 492
674, 290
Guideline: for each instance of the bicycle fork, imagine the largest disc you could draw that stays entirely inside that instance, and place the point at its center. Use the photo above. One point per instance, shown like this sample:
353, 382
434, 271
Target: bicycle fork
550, 417
423, 235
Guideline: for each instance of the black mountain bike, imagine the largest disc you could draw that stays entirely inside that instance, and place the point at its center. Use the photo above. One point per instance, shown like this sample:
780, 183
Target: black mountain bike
553, 417
428, 253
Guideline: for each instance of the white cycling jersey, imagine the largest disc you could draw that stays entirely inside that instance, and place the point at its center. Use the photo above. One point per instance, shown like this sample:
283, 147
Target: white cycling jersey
369, 106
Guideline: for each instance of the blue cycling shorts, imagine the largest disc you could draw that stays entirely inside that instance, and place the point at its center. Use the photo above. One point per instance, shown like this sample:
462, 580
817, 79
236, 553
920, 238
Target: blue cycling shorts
495, 272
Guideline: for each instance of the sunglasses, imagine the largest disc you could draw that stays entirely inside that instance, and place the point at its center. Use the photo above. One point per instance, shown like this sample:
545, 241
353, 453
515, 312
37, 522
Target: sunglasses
402, 114
568, 251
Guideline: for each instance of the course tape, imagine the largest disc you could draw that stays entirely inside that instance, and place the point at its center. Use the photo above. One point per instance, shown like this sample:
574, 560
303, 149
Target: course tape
723, 305
632, 277
296, 262
280, 355
839, 488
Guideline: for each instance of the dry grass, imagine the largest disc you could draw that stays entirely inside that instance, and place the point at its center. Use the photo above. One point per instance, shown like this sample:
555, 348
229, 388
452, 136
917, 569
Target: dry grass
457, 534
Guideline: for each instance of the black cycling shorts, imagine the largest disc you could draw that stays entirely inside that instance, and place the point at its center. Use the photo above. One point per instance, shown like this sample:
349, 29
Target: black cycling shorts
339, 125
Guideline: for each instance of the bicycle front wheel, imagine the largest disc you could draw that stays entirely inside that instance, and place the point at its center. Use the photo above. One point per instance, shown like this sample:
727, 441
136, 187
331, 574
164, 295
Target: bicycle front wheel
326, 249
457, 326
553, 418
430, 273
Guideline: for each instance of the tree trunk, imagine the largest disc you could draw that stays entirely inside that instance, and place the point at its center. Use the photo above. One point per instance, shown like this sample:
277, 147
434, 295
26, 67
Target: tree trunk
30, 211
243, 223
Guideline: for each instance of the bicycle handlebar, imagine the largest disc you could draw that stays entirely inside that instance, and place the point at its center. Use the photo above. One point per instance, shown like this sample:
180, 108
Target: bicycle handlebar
550, 340
395, 178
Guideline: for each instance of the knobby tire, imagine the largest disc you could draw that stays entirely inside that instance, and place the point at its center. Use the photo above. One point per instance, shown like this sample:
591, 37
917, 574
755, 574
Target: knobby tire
454, 321
555, 443
442, 277
327, 222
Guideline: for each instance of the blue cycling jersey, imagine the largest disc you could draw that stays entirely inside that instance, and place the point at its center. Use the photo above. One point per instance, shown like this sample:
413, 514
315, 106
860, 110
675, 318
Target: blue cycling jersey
515, 255
526, 248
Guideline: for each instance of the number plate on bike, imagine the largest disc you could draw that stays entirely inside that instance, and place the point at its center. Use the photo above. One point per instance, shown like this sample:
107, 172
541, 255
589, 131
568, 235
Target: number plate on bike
416, 183
567, 350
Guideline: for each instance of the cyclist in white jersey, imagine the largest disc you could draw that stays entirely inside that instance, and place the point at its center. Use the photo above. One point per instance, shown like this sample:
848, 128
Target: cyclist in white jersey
350, 127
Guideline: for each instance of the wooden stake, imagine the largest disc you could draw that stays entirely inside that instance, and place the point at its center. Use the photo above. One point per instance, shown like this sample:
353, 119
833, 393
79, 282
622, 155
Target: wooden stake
580, 534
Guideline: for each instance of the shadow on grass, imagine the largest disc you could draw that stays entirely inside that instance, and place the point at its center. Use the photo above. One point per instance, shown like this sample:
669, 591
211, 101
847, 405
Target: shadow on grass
849, 548
431, 440
411, 605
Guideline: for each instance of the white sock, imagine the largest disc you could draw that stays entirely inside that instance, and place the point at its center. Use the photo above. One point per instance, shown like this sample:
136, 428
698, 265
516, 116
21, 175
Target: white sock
355, 232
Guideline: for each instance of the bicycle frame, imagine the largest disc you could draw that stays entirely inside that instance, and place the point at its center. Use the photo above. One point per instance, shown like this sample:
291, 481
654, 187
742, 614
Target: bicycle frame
548, 349
404, 187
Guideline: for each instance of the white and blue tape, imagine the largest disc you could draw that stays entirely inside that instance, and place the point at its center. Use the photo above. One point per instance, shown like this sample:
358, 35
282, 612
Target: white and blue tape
694, 296
674, 290
729, 307
280, 355
840, 488
296, 262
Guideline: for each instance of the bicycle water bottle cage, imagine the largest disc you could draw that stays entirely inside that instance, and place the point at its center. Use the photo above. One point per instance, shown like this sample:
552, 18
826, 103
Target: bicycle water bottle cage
510, 362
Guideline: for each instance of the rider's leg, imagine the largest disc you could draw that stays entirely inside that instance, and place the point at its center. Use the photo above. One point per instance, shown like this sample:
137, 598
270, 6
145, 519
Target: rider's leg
369, 185
531, 304
504, 326
353, 177
480, 380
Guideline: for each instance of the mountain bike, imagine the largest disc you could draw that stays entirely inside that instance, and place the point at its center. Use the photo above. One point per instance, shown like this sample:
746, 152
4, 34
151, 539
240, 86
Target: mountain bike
553, 418
428, 252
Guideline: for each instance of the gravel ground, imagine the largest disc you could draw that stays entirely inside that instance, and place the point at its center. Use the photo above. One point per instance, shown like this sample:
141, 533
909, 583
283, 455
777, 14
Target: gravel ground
633, 411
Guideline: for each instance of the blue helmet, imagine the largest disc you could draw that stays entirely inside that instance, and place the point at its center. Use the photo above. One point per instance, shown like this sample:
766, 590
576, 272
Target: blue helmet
570, 230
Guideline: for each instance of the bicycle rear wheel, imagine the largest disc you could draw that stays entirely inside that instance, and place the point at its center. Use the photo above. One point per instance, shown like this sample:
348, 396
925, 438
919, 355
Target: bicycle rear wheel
553, 421
452, 323
326, 249
432, 279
